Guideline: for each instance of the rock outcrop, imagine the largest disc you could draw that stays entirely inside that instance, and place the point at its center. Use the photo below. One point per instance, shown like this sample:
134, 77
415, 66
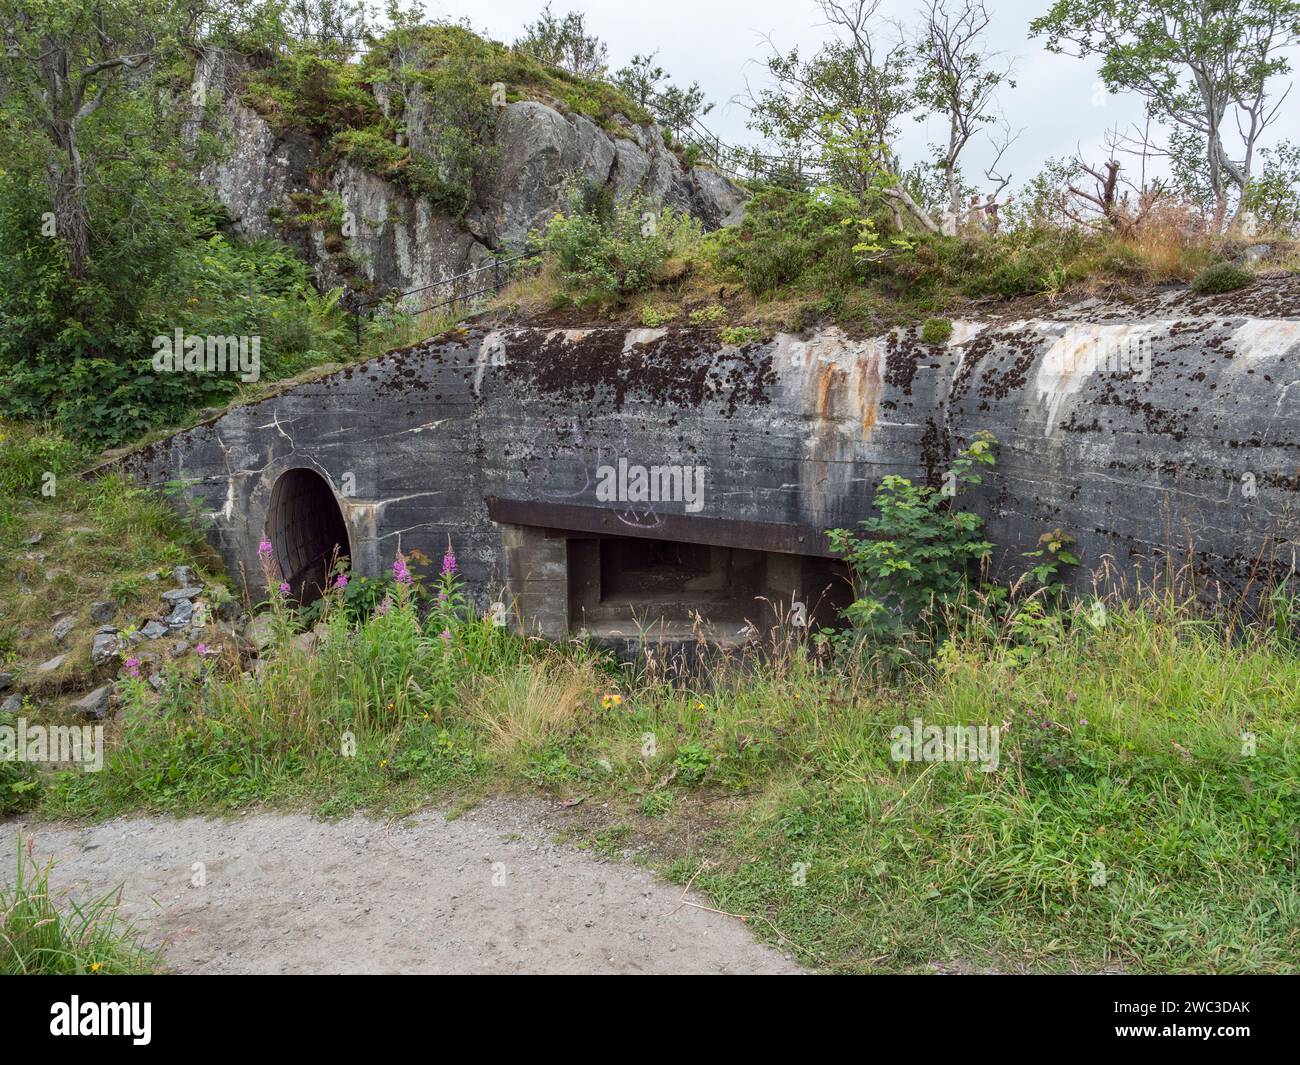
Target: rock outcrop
397, 240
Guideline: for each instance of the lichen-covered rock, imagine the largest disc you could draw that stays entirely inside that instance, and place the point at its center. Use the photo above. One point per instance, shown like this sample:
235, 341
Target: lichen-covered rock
106, 645
538, 151
395, 240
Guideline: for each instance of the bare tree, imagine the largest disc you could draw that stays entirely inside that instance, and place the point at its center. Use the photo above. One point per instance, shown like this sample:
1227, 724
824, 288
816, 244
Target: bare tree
1103, 194
958, 78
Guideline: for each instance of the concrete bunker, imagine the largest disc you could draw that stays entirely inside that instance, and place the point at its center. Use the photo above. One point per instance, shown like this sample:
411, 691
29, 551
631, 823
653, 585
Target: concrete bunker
306, 530
496, 441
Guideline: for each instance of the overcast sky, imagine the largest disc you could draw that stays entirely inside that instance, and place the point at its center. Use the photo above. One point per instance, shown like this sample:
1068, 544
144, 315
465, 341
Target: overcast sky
1058, 100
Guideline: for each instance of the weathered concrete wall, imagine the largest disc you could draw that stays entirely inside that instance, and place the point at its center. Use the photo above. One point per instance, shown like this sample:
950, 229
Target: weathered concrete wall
1200, 444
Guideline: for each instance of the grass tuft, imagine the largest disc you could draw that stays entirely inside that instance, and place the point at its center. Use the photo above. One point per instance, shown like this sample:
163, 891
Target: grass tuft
39, 936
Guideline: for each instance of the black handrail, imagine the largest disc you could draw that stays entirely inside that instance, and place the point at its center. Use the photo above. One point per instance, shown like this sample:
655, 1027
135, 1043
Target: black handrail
359, 302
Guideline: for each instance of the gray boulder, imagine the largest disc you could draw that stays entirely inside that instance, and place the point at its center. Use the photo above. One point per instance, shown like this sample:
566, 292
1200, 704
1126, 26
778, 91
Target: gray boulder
401, 241
106, 645
182, 614
95, 704
103, 612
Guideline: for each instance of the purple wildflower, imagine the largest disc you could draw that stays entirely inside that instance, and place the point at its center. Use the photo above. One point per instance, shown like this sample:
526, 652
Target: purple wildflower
400, 572
449, 562
446, 635
385, 605
264, 549
341, 581
133, 667
201, 649
285, 589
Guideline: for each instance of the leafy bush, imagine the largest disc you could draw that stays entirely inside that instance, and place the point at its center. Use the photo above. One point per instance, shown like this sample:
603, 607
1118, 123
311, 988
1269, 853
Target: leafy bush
790, 235
936, 331
739, 335
90, 367
917, 554
1221, 277
312, 88
606, 254
652, 317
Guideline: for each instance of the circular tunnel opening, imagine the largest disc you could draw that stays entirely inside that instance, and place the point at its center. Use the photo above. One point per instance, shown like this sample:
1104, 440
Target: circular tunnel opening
307, 531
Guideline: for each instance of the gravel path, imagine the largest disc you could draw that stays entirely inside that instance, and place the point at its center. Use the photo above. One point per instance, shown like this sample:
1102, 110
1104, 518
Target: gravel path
487, 892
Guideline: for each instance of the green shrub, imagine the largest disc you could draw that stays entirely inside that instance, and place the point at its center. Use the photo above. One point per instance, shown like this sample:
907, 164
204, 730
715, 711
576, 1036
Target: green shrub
372, 149
310, 88
739, 335
790, 236
1221, 277
607, 254
936, 331
917, 554
652, 317
714, 312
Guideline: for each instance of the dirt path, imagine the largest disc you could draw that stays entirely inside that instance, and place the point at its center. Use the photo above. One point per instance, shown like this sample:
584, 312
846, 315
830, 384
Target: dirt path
488, 892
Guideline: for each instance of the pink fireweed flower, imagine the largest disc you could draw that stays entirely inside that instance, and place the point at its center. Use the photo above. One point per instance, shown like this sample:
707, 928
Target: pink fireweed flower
449, 562
203, 649
385, 605
400, 572
446, 635
341, 581
133, 667
264, 549
285, 589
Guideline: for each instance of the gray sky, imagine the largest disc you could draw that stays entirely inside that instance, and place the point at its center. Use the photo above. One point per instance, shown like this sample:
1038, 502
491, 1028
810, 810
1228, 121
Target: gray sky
1058, 100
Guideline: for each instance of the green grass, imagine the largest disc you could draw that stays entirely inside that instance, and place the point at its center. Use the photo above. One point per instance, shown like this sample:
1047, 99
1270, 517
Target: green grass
99, 539
43, 935
1127, 825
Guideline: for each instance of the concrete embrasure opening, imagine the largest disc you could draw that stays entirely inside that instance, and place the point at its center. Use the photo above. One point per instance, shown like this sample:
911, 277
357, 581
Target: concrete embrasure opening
620, 584
306, 530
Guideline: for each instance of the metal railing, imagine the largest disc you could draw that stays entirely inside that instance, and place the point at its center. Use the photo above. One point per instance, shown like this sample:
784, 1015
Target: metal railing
498, 278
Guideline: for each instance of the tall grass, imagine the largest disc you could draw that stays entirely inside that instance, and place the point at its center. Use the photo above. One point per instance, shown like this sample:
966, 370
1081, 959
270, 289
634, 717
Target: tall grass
1142, 812
40, 936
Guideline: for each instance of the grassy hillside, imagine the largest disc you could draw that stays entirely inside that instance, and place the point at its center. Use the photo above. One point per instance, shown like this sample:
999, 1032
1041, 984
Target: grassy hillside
1139, 810
799, 258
